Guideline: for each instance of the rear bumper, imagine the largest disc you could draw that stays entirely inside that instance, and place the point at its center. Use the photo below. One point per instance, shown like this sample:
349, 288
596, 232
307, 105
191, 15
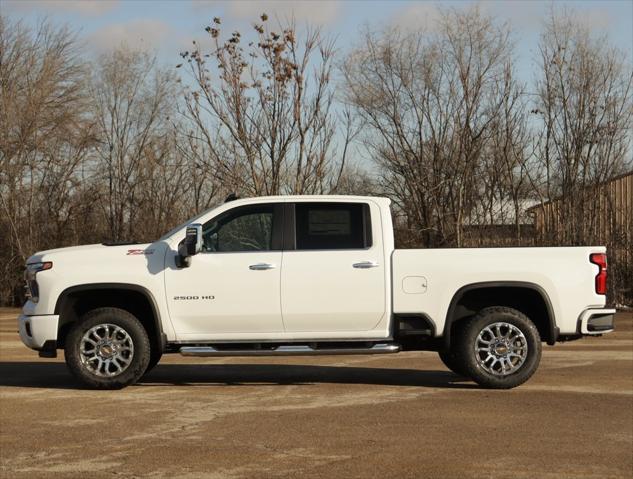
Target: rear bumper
35, 331
596, 321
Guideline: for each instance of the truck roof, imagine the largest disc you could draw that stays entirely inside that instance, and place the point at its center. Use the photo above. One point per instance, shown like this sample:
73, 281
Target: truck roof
289, 198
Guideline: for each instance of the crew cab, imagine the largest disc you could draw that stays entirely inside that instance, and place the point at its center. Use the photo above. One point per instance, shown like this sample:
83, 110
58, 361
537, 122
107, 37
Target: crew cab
307, 275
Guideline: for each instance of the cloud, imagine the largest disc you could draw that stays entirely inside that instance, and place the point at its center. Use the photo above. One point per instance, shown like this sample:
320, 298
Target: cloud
530, 16
81, 7
592, 18
138, 34
312, 11
419, 16
525, 16
595, 18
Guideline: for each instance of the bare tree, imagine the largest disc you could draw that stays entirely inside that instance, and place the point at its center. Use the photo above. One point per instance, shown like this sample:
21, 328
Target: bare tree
44, 137
584, 107
264, 112
391, 80
429, 102
205, 183
504, 189
133, 100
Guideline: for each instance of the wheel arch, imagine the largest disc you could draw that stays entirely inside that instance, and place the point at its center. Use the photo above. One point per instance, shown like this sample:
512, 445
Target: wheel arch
529, 298
136, 299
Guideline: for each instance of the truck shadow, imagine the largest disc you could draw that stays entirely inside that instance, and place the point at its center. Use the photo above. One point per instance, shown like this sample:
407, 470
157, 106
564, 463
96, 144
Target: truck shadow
54, 375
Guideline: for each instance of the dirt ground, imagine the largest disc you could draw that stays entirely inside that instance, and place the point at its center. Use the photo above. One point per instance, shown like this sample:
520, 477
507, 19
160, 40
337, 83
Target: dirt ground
398, 416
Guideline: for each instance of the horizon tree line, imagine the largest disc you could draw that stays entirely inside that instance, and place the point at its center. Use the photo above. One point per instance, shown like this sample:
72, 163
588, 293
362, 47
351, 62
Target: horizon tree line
124, 148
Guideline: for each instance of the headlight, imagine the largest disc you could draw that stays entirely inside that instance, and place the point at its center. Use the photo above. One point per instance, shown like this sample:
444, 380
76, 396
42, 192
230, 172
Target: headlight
32, 290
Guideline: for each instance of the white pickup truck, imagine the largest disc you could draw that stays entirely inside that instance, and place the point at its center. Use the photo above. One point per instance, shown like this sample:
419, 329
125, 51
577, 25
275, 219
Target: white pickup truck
307, 275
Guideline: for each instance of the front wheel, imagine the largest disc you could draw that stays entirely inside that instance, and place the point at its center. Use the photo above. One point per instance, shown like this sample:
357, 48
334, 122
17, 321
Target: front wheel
499, 348
107, 348
154, 359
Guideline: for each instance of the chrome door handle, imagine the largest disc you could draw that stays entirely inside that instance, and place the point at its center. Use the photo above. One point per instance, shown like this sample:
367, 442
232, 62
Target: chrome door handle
365, 265
261, 266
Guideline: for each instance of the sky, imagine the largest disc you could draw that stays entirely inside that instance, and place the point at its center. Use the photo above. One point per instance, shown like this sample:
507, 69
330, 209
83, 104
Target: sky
168, 26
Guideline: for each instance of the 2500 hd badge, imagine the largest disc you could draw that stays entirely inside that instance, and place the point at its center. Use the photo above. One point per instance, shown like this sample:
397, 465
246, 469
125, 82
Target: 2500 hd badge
192, 298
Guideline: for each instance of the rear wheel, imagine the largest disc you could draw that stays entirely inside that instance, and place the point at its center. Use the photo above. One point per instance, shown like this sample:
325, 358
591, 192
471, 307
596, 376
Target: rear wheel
452, 362
107, 348
499, 348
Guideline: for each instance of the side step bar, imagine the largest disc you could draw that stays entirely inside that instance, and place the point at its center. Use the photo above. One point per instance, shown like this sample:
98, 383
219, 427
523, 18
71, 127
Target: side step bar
289, 350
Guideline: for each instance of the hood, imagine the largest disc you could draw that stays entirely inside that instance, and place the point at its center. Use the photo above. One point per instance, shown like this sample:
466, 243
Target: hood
95, 251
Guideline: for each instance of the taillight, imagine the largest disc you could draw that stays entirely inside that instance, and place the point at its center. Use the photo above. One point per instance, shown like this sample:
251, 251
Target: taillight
601, 278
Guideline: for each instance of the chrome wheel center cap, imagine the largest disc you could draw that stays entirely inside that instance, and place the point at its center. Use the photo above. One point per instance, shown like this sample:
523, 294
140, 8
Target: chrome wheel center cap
107, 350
501, 349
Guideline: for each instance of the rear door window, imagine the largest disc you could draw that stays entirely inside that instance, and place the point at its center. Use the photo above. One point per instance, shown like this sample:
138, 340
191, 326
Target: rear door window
322, 226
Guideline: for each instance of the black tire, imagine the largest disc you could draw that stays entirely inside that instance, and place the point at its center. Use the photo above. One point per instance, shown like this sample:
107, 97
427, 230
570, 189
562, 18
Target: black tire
452, 362
154, 357
132, 366
520, 366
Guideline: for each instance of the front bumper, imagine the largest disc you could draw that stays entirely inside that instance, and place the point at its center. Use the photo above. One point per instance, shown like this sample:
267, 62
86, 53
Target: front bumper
35, 331
596, 321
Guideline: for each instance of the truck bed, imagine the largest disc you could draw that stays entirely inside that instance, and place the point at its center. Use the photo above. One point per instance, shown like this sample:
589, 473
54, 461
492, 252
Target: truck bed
426, 280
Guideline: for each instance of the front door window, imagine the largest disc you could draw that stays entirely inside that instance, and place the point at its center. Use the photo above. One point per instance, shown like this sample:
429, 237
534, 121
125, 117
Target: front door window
246, 229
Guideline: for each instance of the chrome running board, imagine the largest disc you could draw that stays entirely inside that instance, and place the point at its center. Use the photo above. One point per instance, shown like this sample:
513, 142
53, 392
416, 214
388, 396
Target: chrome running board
288, 350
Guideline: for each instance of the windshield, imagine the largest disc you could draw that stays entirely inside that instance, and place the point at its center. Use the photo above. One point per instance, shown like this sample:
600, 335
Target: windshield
189, 221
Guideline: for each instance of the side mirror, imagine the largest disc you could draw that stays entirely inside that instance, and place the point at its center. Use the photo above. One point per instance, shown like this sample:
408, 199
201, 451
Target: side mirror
193, 239
191, 246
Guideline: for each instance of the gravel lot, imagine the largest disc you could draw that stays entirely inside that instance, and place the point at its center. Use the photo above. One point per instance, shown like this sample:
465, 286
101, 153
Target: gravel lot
396, 416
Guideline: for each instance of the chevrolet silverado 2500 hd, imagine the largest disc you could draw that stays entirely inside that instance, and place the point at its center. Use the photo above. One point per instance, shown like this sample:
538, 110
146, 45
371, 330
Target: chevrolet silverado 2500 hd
307, 275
